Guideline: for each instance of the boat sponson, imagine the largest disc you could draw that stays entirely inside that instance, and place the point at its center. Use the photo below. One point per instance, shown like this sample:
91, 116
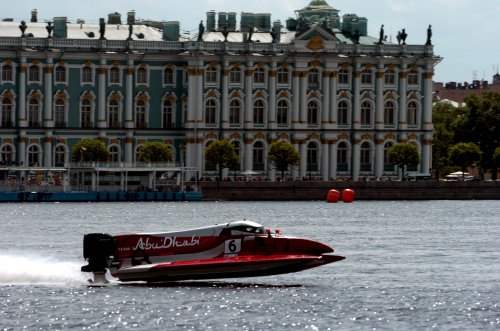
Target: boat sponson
240, 266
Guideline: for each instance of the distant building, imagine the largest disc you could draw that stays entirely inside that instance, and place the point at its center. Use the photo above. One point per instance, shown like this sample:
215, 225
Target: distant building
341, 97
455, 93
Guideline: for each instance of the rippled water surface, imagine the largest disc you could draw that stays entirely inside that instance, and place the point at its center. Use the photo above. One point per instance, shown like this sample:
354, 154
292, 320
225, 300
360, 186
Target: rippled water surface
431, 265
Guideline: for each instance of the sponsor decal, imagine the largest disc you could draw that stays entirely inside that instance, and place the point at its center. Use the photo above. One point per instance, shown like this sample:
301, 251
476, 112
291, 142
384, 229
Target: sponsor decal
166, 242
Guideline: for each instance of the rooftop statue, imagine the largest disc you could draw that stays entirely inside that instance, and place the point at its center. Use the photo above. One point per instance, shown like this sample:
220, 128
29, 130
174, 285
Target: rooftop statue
102, 28
49, 28
429, 36
23, 28
250, 32
130, 31
381, 37
225, 33
275, 33
403, 36
201, 31
356, 36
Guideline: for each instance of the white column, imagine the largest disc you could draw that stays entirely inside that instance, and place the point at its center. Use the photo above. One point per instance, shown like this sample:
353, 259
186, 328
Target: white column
191, 107
296, 98
333, 98
325, 159
129, 148
225, 99
403, 75
47, 154
22, 94
333, 160
303, 158
379, 109
48, 94
101, 96
303, 99
379, 156
356, 154
427, 154
22, 147
356, 99
271, 107
129, 92
427, 118
248, 96
248, 157
325, 112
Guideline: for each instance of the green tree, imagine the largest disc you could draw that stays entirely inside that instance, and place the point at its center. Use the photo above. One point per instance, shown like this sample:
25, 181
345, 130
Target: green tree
282, 155
90, 150
496, 157
221, 153
403, 154
154, 151
464, 155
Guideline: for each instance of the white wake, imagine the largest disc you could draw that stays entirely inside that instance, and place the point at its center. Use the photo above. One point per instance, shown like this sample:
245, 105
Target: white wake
31, 269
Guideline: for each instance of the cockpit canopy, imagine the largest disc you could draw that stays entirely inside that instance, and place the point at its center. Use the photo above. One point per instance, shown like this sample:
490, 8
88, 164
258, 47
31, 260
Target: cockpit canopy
243, 227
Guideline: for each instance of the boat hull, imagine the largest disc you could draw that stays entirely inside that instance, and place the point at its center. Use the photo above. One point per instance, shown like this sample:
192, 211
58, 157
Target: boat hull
247, 266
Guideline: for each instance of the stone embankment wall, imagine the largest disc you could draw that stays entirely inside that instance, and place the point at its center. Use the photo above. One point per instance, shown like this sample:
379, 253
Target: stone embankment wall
282, 191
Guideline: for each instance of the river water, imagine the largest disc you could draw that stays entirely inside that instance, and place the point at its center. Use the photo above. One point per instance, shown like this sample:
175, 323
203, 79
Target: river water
426, 265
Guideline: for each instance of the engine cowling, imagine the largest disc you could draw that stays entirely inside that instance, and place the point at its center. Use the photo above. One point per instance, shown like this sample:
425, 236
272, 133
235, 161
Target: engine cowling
98, 250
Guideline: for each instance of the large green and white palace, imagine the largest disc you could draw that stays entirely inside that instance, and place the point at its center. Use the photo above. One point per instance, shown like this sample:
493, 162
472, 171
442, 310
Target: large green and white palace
318, 81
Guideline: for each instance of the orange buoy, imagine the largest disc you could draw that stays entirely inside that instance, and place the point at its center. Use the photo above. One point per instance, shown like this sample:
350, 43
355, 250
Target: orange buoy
333, 196
348, 195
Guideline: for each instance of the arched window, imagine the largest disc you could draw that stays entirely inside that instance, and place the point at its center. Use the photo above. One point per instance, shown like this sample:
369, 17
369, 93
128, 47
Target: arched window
7, 153
366, 77
390, 77
412, 113
59, 156
342, 161
168, 76
258, 112
168, 111
235, 75
388, 166
312, 157
7, 113
234, 112
366, 113
343, 113
343, 77
312, 112
34, 156
282, 113
86, 114
60, 113
7, 75
34, 73
313, 78
140, 114
60, 74
365, 157
142, 76
283, 74
114, 75
33, 113
87, 75
114, 114
210, 111
259, 76
389, 113
258, 156
114, 152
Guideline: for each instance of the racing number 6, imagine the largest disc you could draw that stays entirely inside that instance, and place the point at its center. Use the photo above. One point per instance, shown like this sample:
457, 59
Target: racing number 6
232, 246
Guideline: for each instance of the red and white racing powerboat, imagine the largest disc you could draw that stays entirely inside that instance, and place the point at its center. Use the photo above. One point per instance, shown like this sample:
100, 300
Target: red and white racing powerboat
236, 249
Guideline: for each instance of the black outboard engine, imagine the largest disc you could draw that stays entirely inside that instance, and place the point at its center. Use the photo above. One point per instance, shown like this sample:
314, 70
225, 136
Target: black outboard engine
98, 249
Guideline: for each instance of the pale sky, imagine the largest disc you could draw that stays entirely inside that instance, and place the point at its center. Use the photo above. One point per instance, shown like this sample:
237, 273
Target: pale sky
465, 32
